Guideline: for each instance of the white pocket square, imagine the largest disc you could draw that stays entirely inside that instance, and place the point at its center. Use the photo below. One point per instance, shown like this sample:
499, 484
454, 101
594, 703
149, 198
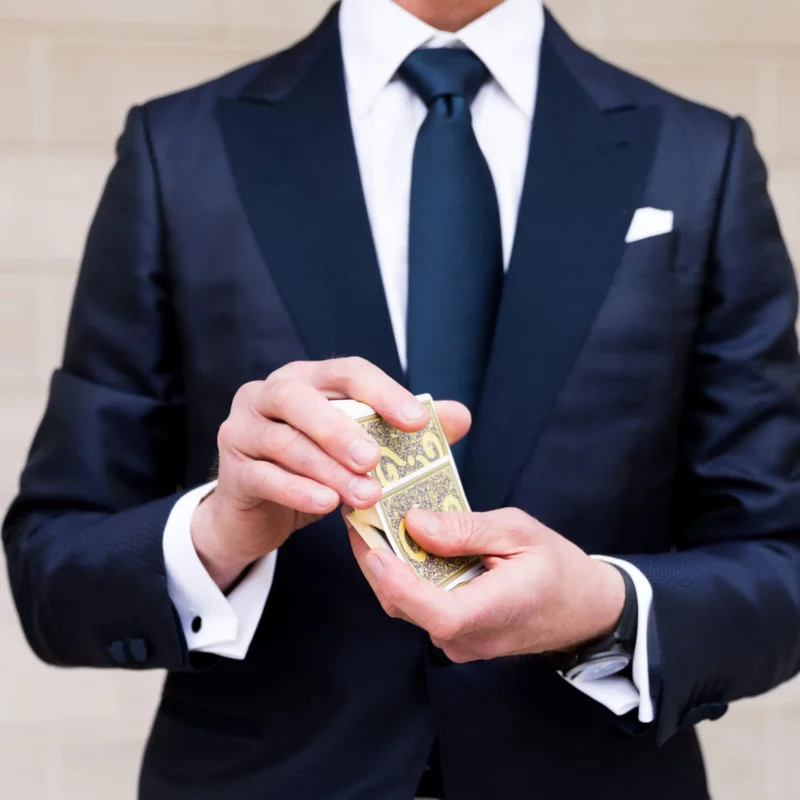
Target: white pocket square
649, 222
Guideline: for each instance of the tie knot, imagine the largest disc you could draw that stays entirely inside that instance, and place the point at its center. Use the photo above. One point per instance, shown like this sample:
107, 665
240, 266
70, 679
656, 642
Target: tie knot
441, 72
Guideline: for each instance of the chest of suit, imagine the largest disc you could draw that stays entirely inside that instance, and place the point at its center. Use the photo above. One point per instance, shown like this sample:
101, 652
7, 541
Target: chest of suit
587, 374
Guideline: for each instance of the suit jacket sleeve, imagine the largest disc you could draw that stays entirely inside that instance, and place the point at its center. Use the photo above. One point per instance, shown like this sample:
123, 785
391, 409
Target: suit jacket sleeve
727, 599
84, 537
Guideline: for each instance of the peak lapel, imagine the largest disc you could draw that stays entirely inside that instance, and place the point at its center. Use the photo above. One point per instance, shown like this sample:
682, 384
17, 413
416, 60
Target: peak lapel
290, 146
586, 174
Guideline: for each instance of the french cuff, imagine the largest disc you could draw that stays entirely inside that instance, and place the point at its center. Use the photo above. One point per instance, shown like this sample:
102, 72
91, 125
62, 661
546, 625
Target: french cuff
211, 622
617, 693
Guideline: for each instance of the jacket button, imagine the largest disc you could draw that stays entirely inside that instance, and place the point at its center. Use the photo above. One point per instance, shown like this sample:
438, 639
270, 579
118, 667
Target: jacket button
139, 650
116, 650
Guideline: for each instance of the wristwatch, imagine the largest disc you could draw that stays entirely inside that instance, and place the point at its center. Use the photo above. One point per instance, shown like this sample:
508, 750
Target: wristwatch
612, 654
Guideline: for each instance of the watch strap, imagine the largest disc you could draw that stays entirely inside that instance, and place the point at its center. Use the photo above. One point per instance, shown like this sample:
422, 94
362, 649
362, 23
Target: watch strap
621, 641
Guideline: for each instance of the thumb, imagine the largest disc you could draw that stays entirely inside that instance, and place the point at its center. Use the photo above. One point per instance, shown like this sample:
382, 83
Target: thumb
456, 533
455, 418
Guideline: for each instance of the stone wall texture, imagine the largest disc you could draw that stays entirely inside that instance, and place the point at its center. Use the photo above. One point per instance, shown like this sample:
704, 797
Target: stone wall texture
69, 69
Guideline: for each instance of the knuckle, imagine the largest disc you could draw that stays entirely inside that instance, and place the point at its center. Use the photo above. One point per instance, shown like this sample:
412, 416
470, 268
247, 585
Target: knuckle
327, 437
446, 629
247, 390
329, 472
464, 526
245, 397
353, 370
388, 600
338, 370
357, 364
226, 436
281, 394
249, 480
284, 372
389, 607
484, 649
304, 460
457, 655
517, 517
282, 443
517, 523
290, 496
258, 481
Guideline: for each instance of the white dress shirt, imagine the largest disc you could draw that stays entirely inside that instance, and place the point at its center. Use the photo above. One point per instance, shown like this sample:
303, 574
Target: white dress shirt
377, 36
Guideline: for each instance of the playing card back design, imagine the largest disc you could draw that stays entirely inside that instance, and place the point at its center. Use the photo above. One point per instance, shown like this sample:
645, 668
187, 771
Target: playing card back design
416, 470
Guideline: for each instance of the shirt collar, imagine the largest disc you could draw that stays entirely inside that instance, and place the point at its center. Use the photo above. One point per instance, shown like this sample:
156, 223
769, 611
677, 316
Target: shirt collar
378, 35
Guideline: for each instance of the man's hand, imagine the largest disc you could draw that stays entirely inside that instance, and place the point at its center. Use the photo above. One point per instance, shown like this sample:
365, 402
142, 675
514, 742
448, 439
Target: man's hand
541, 593
288, 457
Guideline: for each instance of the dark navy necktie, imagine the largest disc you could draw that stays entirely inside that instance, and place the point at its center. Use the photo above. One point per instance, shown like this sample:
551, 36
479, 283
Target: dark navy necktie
455, 244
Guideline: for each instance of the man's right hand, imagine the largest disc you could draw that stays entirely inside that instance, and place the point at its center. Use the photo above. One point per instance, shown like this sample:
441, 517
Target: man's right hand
288, 457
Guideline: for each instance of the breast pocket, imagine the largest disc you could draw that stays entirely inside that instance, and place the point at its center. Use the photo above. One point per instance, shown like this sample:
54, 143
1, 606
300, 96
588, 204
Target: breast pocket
652, 303
648, 259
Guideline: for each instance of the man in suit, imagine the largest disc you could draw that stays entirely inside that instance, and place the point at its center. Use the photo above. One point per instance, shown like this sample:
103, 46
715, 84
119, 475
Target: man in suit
590, 265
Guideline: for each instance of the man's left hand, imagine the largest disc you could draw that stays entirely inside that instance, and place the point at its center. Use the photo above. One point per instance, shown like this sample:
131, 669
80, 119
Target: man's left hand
541, 593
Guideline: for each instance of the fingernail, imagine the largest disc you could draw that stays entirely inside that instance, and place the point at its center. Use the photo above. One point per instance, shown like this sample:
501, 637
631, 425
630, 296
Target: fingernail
362, 488
364, 452
413, 411
323, 498
374, 564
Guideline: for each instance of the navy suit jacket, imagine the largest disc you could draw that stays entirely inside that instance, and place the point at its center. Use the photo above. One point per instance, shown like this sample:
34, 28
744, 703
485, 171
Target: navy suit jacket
641, 399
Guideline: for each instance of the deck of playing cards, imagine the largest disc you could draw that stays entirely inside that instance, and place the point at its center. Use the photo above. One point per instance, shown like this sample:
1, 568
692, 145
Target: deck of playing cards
416, 470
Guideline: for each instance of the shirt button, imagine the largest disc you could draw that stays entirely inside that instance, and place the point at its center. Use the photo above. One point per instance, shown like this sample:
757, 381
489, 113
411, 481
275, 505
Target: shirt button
197, 623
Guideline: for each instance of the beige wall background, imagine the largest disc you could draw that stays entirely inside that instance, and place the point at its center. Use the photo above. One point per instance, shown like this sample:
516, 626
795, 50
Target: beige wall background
69, 69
